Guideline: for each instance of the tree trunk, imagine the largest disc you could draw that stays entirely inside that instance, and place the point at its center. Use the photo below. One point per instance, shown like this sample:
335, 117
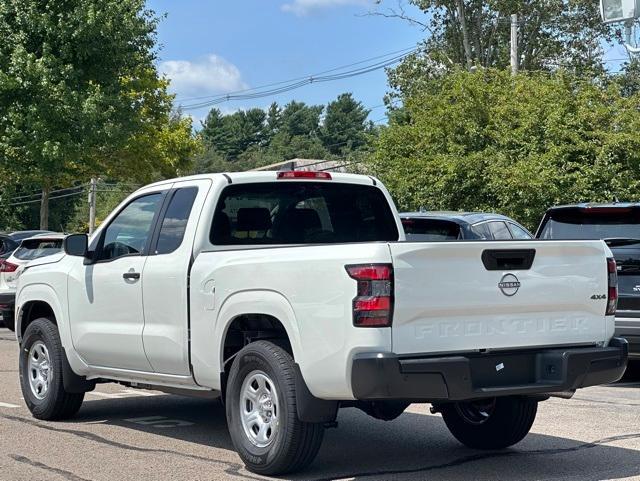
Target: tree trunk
465, 34
44, 208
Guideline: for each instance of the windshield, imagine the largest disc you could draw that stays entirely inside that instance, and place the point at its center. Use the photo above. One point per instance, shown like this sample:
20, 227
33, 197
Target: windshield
302, 212
430, 230
585, 224
36, 248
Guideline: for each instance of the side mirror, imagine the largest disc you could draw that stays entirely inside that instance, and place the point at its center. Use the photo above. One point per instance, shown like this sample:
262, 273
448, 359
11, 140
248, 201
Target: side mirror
76, 245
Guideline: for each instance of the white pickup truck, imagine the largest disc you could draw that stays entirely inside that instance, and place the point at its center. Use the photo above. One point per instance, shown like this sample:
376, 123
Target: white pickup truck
292, 294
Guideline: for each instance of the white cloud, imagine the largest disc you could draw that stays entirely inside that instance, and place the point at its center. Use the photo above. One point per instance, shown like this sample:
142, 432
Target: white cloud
305, 7
210, 75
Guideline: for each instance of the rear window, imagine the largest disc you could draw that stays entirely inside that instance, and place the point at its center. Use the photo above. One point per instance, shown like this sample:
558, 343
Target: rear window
424, 230
37, 248
302, 212
592, 224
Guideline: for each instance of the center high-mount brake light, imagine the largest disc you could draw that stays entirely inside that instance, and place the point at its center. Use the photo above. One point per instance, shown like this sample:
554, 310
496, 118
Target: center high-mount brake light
7, 266
373, 304
612, 284
304, 174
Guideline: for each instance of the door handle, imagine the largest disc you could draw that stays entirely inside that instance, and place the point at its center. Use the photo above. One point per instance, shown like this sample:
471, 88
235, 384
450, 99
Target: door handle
131, 276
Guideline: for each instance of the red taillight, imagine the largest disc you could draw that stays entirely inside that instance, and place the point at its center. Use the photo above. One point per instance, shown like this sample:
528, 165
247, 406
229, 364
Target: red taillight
373, 304
612, 294
304, 174
7, 266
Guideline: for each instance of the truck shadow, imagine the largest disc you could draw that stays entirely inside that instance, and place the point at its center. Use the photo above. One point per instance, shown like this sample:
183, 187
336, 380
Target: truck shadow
414, 446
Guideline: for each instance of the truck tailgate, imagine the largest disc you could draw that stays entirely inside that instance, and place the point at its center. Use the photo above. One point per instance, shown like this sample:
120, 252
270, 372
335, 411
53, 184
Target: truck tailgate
451, 297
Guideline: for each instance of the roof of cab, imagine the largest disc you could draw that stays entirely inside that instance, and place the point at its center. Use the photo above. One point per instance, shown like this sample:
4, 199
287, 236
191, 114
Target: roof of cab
267, 176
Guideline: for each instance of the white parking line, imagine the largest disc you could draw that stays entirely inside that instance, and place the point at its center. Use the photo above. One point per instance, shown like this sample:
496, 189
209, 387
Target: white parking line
7, 405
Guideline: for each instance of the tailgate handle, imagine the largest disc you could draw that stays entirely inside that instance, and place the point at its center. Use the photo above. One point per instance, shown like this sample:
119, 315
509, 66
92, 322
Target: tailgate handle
508, 259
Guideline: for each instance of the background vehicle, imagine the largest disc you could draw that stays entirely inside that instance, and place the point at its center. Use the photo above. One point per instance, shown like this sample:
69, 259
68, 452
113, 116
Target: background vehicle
7, 245
29, 249
443, 226
619, 225
292, 294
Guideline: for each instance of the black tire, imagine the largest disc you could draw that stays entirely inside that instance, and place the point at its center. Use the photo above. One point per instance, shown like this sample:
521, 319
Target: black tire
502, 422
296, 443
56, 403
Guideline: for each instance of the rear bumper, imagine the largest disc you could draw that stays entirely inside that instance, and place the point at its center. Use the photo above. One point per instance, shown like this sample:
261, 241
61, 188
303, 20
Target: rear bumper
474, 376
7, 305
629, 328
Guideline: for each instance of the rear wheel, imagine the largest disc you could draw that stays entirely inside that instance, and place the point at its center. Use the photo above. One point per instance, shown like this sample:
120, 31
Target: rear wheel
495, 423
41, 371
262, 413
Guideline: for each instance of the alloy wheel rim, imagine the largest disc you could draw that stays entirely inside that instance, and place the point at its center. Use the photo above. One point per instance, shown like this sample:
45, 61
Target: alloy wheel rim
40, 371
259, 409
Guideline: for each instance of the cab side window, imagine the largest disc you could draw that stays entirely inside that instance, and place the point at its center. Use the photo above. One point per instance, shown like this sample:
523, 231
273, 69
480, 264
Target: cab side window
175, 220
129, 232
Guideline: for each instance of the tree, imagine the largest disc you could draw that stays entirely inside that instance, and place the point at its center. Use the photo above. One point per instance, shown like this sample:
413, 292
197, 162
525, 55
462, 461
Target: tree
488, 141
80, 95
468, 33
344, 127
230, 135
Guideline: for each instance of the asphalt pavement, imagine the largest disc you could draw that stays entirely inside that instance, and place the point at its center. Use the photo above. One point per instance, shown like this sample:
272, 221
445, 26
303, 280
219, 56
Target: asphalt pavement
124, 434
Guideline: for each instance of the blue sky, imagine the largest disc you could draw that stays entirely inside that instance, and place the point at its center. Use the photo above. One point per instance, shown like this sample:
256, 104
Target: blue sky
219, 46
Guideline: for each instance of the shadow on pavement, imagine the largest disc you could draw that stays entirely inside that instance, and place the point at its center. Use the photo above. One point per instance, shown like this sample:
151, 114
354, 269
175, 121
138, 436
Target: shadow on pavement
415, 446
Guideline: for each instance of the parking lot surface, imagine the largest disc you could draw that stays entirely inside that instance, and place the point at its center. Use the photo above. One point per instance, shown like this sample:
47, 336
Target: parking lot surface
125, 434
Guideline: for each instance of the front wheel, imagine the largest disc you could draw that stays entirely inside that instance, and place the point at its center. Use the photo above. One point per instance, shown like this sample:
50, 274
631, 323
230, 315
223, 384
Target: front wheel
41, 368
262, 413
495, 423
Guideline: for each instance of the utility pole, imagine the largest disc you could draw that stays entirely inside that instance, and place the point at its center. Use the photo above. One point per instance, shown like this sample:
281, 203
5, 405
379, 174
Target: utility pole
514, 44
92, 204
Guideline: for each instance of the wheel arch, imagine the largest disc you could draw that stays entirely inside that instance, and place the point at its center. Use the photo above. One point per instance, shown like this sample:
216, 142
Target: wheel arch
263, 303
37, 300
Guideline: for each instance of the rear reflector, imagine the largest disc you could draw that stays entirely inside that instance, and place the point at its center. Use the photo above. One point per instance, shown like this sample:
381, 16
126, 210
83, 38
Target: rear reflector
612, 284
304, 174
7, 266
373, 304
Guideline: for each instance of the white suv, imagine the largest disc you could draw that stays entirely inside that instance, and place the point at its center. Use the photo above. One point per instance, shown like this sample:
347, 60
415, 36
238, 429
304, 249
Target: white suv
32, 248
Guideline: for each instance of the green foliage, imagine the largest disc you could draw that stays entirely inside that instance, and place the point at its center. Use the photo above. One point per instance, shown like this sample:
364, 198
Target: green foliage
517, 145
80, 94
464, 33
344, 125
252, 138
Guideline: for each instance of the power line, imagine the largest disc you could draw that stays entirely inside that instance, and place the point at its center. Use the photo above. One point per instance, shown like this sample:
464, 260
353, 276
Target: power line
39, 193
50, 198
396, 52
300, 83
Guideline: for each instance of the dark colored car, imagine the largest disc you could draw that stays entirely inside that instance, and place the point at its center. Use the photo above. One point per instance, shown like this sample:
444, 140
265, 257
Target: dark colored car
7, 244
445, 226
618, 224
